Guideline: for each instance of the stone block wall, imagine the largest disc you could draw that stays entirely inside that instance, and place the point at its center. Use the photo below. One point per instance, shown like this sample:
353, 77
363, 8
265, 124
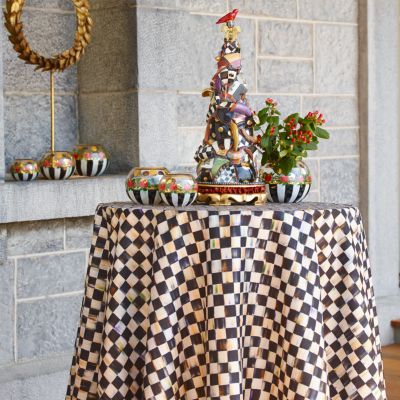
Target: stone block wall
137, 91
49, 26
42, 279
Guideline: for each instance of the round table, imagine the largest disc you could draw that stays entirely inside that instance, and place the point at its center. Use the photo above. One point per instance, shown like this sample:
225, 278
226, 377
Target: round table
240, 302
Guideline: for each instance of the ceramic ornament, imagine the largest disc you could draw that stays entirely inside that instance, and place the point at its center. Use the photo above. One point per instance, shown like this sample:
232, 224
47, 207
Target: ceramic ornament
142, 185
91, 160
178, 189
291, 188
24, 170
225, 159
57, 165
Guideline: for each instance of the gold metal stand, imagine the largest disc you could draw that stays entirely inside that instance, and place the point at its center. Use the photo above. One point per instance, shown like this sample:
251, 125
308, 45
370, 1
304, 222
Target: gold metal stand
52, 110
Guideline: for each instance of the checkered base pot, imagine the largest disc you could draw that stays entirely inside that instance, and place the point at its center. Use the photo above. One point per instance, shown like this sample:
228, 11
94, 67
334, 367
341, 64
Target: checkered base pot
271, 302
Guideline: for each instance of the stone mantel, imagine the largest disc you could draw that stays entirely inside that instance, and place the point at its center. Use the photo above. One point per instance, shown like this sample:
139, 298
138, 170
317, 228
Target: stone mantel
43, 199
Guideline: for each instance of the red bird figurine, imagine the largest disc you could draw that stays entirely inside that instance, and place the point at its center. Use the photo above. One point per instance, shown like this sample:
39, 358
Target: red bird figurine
228, 17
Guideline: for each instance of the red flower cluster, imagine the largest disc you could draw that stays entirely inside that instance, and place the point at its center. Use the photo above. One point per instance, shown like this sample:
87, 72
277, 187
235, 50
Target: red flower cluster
317, 118
298, 135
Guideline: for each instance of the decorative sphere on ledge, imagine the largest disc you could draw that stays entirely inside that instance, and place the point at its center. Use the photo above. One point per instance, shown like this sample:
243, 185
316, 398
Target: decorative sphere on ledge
57, 165
90, 159
24, 170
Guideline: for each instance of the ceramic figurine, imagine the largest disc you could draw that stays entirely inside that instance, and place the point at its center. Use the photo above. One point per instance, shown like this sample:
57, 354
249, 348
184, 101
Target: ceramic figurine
91, 160
226, 156
57, 165
178, 189
24, 170
142, 185
291, 188
231, 16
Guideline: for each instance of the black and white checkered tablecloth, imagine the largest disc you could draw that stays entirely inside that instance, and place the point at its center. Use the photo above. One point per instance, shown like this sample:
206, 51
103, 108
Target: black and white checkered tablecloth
271, 302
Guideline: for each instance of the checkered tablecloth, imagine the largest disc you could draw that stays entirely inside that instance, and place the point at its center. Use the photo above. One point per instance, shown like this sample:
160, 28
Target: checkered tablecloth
273, 302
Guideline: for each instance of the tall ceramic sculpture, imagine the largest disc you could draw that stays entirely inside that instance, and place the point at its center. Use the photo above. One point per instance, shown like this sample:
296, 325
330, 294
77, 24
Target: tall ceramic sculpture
227, 170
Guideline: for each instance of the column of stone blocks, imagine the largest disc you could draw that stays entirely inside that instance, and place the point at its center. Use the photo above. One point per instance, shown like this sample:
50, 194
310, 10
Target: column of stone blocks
50, 27
108, 110
2, 164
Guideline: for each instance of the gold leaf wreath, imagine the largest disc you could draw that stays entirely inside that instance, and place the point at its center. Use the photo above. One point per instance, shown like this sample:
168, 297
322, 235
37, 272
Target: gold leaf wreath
57, 62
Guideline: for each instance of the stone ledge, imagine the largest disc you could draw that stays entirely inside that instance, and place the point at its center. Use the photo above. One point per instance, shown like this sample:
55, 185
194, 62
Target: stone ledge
28, 369
42, 199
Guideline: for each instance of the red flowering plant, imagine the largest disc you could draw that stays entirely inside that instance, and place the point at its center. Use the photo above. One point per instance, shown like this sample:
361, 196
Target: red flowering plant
287, 141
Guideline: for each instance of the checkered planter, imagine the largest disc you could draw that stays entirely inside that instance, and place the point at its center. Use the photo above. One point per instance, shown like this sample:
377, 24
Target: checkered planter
273, 302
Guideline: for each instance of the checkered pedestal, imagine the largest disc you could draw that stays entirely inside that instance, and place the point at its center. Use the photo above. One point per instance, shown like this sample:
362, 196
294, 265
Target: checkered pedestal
273, 302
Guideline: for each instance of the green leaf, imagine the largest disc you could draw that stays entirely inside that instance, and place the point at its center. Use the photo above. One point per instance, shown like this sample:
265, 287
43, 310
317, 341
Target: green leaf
310, 146
265, 141
274, 121
283, 153
322, 133
263, 119
264, 159
295, 116
262, 112
286, 164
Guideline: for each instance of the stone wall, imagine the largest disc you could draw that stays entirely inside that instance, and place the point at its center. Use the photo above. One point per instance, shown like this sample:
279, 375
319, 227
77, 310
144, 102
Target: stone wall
42, 263
42, 279
49, 26
137, 91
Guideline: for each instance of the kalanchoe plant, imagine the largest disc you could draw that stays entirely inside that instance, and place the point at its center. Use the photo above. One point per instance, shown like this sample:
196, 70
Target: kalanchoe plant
287, 141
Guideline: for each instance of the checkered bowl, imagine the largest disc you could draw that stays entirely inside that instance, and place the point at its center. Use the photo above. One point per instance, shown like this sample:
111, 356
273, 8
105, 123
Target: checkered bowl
178, 189
142, 185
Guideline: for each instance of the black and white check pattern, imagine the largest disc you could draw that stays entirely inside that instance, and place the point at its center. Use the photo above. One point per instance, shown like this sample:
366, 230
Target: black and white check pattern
272, 302
226, 174
204, 152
